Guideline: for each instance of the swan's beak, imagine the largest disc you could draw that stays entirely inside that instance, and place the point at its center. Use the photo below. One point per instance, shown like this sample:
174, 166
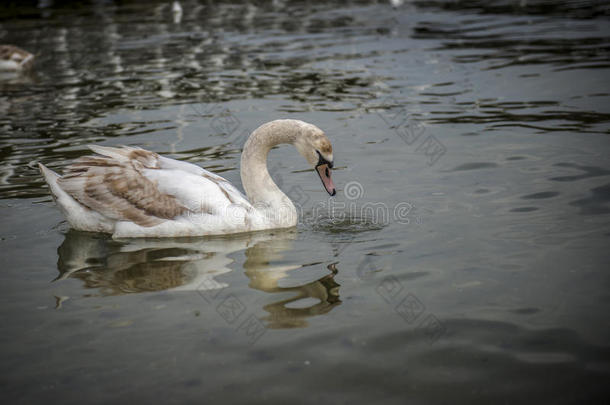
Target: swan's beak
324, 173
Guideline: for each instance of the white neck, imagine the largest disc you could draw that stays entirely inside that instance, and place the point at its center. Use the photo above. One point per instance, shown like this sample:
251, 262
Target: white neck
260, 188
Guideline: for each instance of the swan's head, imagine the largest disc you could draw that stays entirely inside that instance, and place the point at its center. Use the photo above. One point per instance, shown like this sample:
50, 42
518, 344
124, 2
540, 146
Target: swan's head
315, 147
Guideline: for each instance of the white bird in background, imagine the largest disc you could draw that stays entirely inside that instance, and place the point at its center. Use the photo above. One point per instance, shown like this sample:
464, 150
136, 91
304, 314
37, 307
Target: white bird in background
132, 192
14, 59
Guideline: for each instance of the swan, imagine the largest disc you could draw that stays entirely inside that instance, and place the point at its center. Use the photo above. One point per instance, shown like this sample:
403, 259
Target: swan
13, 58
132, 192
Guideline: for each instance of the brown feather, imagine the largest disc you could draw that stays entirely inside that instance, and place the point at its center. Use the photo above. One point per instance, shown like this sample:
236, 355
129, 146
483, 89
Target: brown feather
118, 189
11, 52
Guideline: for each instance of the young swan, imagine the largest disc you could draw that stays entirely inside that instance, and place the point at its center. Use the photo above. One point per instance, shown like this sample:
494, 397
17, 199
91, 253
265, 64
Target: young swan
132, 192
14, 59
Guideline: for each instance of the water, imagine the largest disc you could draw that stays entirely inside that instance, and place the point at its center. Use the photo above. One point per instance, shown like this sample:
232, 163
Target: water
466, 256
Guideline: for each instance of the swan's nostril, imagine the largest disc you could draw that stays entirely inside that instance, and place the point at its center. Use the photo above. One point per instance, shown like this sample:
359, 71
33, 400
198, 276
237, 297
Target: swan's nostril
327, 173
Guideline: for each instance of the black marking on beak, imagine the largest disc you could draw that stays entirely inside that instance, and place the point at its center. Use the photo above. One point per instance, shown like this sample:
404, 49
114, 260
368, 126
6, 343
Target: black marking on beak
322, 161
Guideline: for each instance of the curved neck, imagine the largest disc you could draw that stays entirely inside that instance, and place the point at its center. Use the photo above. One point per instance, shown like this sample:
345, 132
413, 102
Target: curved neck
258, 184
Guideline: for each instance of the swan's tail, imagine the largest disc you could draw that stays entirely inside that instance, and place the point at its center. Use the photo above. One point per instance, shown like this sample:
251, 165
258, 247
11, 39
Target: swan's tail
79, 216
51, 178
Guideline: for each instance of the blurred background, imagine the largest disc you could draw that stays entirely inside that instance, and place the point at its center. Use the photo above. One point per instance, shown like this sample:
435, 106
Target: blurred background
465, 257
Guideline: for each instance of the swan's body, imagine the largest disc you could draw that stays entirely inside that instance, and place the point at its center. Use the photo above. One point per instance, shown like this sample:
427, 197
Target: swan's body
132, 192
14, 59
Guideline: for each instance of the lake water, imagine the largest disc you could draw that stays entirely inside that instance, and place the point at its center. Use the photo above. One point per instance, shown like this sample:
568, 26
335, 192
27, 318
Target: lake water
464, 259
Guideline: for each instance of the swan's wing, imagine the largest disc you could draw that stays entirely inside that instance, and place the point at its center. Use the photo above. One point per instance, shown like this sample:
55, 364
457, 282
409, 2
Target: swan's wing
119, 191
233, 194
150, 160
145, 188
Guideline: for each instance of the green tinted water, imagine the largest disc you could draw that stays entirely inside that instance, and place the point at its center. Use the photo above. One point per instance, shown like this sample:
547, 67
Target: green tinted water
463, 260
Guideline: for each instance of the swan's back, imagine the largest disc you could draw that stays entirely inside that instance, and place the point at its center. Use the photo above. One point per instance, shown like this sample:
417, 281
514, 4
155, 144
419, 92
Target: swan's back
134, 192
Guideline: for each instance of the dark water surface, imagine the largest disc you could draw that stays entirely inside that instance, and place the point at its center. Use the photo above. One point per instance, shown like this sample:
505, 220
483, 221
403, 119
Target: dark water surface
466, 256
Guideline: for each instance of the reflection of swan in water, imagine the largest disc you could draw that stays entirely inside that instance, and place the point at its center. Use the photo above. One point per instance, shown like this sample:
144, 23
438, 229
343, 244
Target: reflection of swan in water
324, 291
117, 267
120, 267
